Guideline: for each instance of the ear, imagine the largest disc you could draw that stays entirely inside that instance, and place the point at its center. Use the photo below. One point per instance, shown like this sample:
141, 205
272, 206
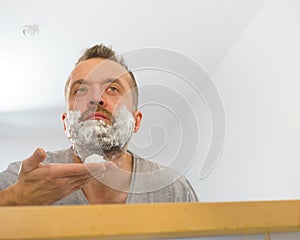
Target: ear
63, 117
138, 118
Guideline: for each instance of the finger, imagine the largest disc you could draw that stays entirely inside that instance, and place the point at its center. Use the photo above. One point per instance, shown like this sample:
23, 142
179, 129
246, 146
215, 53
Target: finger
101, 166
75, 169
97, 169
67, 170
34, 160
75, 183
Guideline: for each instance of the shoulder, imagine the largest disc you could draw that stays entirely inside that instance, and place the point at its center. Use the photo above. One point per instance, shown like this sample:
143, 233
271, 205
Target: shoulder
160, 184
10, 175
178, 186
142, 165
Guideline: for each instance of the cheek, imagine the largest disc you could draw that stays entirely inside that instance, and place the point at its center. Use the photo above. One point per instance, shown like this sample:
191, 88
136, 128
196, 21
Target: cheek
125, 100
111, 105
117, 103
77, 104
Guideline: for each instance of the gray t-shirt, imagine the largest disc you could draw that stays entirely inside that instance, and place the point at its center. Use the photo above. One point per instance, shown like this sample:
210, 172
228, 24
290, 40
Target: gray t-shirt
150, 183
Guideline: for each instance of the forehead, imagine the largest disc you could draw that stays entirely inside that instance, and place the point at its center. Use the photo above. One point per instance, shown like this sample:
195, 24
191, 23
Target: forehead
99, 69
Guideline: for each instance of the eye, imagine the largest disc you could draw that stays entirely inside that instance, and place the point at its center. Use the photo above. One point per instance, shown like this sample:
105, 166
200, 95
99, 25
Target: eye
112, 89
80, 91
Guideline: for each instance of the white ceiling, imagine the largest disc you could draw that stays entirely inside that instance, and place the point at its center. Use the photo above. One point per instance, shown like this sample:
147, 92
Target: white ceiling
34, 69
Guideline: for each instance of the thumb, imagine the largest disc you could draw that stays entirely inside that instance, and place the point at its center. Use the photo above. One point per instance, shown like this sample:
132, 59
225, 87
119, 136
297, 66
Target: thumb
34, 160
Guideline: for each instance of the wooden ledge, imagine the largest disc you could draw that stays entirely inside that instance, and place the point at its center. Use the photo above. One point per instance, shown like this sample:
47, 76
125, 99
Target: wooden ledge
145, 221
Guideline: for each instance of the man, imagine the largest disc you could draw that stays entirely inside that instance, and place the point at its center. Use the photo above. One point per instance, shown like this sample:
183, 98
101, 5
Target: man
102, 99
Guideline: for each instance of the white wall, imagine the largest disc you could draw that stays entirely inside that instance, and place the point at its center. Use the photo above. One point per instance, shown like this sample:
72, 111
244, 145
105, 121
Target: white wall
259, 82
24, 131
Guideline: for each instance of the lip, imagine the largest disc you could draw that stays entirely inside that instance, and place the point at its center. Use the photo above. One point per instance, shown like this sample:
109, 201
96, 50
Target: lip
96, 116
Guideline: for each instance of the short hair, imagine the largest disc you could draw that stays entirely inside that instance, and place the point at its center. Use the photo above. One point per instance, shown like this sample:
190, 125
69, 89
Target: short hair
101, 51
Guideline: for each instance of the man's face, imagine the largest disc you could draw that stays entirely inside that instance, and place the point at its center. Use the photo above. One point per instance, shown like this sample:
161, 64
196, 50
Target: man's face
97, 88
99, 102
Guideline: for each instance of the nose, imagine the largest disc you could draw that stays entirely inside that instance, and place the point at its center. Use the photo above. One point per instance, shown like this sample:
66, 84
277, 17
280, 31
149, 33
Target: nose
96, 98
92, 102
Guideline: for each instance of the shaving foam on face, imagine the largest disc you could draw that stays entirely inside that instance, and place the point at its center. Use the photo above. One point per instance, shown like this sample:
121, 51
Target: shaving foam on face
95, 136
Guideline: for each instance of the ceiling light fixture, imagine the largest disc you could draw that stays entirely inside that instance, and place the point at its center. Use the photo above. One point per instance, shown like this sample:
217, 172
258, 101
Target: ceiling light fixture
30, 30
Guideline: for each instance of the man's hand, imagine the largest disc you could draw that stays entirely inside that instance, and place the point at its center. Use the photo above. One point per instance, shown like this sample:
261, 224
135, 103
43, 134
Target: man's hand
43, 184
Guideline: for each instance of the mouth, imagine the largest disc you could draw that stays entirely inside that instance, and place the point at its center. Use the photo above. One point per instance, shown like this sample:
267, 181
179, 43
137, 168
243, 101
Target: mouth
96, 116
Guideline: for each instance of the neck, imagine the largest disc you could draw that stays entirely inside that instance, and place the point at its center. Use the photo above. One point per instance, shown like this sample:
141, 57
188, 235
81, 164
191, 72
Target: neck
114, 186
123, 159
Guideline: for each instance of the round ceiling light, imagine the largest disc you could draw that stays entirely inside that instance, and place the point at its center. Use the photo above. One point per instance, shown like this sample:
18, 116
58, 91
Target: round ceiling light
30, 30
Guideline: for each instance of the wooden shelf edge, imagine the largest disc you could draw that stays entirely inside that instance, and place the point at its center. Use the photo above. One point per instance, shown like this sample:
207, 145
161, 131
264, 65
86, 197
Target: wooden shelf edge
145, 221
